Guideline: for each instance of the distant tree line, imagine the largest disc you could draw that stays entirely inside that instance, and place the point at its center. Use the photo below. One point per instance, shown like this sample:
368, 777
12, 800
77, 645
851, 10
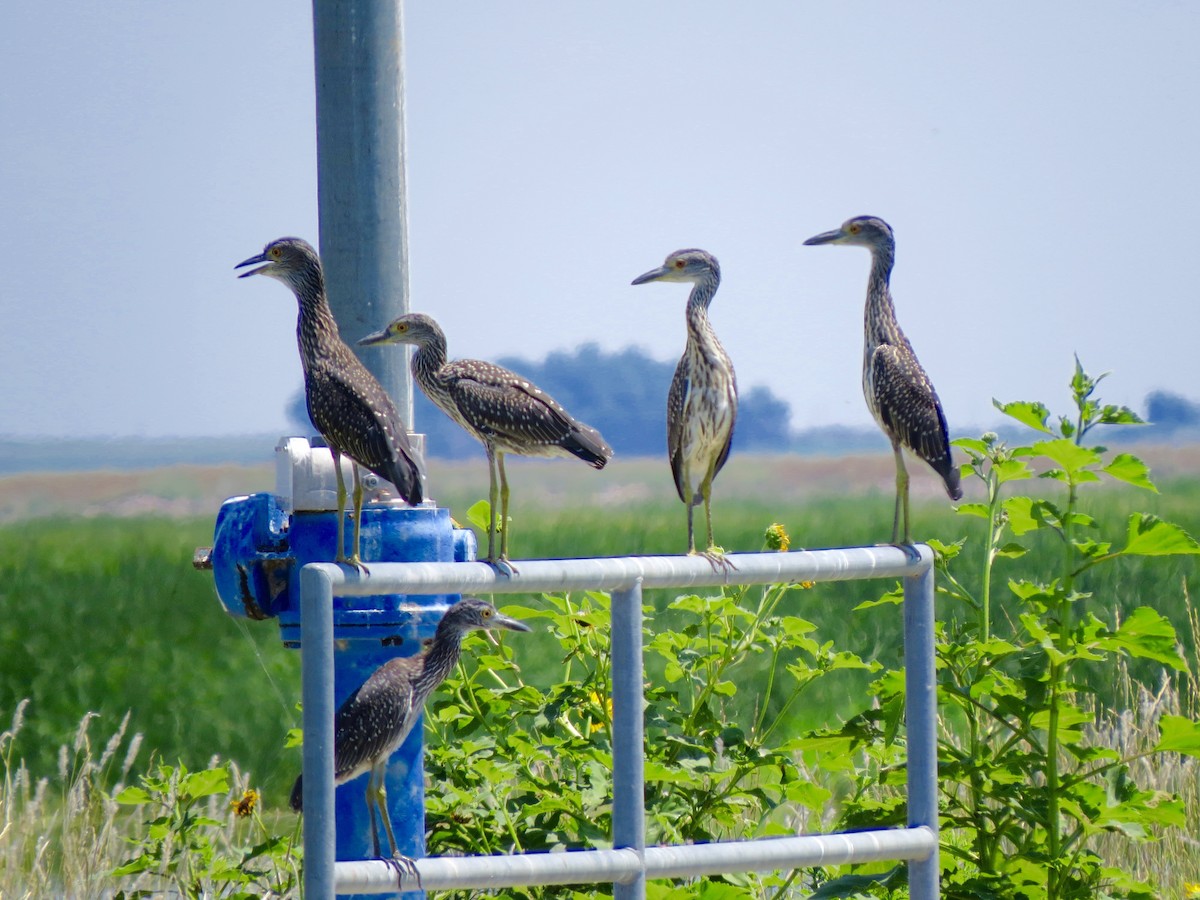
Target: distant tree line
624, 394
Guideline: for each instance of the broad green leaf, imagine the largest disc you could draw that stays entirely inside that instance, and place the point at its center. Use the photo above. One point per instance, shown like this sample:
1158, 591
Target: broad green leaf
205, 783
1072, 458
1151, 536
1012, 470
973, 509
1032, 414
479, 515
1011, 550
1178, 734
1120, 415
132, 796
1147, 634
1128, 468
1021, 518
971, 445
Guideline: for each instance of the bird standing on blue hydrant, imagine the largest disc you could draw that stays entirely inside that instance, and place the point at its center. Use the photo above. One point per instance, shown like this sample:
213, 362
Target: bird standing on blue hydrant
347, 404
898, 392
376, 719
702, 402
502, 410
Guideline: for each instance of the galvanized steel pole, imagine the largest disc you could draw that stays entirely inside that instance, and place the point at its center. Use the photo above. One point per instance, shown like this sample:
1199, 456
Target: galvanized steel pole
361, 187
629, 794
920, 694
316, 673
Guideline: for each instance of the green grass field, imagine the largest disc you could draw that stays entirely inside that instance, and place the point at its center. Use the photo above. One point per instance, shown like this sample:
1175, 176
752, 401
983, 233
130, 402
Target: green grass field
106, 613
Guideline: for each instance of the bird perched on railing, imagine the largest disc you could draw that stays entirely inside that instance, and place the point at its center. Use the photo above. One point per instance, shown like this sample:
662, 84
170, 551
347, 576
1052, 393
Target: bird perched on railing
899, 393
702, 402
376, 719
502, 410
349, 407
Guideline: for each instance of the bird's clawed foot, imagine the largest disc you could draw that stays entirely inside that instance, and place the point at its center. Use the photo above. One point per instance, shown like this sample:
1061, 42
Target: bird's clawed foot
502, 565
354, 562
405, 868
716, 558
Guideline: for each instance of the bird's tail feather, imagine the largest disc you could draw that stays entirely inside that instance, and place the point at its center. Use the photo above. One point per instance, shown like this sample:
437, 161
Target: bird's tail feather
951, 477
406, 476
586, 443
297, 801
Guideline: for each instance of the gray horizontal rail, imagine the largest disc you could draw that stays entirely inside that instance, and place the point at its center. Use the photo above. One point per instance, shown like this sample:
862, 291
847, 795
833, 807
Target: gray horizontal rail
616, 573
683, 861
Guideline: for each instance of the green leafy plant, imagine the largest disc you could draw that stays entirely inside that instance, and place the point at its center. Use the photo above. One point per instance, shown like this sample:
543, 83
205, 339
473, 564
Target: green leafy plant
519, 768
186, 849
1026, 788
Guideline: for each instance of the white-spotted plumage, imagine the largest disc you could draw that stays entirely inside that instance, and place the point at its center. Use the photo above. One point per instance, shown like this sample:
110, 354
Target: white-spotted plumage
899, 394
702, 402
504, 411
346, 403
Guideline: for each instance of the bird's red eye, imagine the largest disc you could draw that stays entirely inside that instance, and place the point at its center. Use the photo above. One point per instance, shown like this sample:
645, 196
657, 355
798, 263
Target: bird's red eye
679, 263
854, 229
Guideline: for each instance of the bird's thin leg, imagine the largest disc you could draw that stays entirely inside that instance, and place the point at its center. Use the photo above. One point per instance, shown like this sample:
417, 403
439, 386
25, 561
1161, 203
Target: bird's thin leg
497, 497
493, 496
404, 865
691, 531
503, 506
901, 493
371, 803
355, 559
716, 558
502, 563
341, 506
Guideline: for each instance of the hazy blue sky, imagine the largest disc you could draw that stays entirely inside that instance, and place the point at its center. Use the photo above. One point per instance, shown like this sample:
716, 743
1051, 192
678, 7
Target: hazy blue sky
1038, 162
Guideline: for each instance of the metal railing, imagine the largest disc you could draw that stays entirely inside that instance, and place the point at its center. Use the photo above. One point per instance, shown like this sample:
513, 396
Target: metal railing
630, 862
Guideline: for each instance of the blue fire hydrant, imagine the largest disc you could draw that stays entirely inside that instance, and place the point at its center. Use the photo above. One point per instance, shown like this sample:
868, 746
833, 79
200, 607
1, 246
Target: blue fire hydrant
260, 543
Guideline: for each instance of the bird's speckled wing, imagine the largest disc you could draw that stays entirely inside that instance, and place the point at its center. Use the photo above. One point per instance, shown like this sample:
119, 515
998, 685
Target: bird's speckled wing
676, 398
909, 408
355, 414
500, 404
375, 719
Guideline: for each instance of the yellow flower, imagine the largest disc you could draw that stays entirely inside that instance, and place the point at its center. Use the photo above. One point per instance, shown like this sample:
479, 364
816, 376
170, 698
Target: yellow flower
776, 538
244, 805
1191, 889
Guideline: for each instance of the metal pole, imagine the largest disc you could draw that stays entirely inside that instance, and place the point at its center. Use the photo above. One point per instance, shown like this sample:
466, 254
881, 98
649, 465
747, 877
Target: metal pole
361, 175
316, 664
629, 798
920, 690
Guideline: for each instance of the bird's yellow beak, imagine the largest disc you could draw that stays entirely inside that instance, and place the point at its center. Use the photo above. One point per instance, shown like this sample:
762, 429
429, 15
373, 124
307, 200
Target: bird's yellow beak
377, 337
260, 258
653, 275
826, 237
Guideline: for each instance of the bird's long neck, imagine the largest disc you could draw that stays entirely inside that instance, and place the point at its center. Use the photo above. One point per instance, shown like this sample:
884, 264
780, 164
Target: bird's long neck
699, 329
440, 658
427, 364
316, 329
879, 321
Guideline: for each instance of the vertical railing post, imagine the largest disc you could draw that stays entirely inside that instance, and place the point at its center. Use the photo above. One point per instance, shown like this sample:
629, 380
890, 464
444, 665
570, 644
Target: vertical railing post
921, 721
629, 799
316, 675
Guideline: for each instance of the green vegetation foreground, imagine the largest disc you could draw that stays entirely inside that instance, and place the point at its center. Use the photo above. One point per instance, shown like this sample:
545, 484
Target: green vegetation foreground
107, 616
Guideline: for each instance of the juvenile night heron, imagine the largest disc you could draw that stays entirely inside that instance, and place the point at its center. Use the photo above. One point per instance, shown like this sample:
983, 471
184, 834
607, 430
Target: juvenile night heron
502, 410
376, 719
349, 407
702, 403
899, 393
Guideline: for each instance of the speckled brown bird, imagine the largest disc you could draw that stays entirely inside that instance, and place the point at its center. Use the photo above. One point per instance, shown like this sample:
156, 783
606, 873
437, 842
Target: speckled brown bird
502, 410
898, 392
376, 719
702, 403
349, 407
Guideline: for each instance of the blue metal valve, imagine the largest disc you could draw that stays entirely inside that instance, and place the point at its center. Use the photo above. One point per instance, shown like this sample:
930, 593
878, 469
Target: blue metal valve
260, 543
